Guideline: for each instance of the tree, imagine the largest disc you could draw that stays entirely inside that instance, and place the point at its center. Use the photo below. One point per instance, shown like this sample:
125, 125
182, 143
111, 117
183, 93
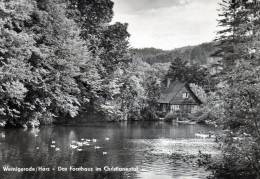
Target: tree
60, 57
41, 56
239, 50
108, 41
182, 71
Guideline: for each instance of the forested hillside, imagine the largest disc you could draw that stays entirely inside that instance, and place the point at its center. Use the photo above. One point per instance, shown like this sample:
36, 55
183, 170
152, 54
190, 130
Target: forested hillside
199, 54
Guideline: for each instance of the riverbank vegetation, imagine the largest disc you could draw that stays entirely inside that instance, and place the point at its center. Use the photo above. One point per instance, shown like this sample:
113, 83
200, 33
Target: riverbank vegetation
59, 58
238, 94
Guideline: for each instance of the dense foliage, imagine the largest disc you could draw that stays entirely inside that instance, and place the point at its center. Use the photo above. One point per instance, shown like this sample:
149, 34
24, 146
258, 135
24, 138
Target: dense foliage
238, 47
183, 71
41, 55
60, 57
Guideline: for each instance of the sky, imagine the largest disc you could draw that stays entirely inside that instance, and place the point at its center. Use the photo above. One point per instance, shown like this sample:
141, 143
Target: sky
168, 24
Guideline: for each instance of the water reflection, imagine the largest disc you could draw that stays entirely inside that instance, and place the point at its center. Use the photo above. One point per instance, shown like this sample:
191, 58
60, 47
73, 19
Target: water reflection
158, 149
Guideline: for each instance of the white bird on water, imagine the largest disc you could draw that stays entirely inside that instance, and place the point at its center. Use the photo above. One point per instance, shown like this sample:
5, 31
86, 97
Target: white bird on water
53, 146
73, 146
94, 140
53, 142
104, 153
107, 138
80, 144
85, 143
79, 149
57, 149
97, 147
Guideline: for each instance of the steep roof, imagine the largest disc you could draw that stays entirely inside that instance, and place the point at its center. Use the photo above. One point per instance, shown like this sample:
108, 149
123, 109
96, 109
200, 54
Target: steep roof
193, 95
168, 93
173, 95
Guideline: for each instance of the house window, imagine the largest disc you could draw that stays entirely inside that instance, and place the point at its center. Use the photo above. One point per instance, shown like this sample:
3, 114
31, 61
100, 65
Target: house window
194, 109
163, 108
175, 107
185, 95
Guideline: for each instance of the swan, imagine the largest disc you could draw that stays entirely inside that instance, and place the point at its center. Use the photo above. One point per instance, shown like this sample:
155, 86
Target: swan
73, 146
107, 138
80, 144
86, 143
97, 147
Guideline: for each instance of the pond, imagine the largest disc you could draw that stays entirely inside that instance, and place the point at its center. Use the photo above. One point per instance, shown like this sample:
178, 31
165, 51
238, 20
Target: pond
146, 150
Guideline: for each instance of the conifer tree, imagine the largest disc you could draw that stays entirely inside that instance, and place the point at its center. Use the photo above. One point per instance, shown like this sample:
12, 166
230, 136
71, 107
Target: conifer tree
238, 44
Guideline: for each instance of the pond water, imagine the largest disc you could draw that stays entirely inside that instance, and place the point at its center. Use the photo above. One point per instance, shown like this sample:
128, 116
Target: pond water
148, 150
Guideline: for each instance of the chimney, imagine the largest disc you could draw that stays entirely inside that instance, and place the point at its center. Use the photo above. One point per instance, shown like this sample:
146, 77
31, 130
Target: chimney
168, 82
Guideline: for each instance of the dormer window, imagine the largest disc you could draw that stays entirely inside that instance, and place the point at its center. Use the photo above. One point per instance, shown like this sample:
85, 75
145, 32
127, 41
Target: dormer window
185, 95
